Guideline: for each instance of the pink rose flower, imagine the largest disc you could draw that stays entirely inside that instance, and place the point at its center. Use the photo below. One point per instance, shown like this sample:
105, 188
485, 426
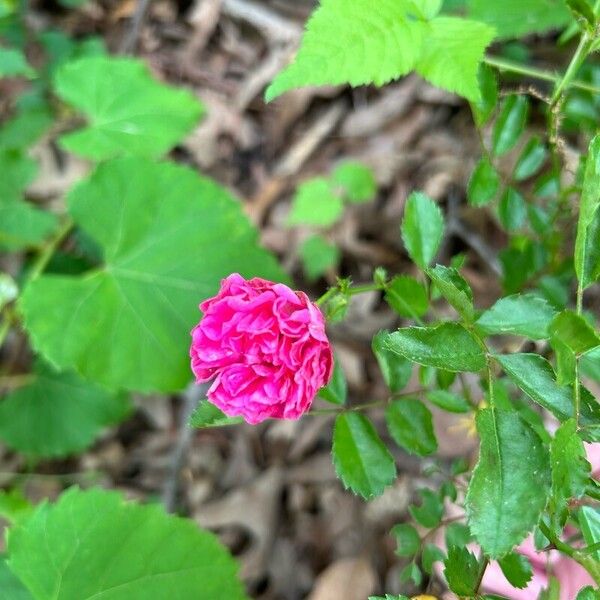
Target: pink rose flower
266, 348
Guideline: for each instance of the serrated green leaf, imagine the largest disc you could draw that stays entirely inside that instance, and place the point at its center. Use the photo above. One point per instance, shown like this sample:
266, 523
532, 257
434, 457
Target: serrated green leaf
452, 54
408, 541
348, 42
534, 375
141, 304
411, 572
461, 569
512, 209
14, 64
429, 513
488, 89
12, 588
430, 555
128, 111
357, 181
411, 426
588, 593
93, 544
448, 401
396, 370
531, 159
520, 314
361, 460
407, 296
206, 414
58, 414
483, 183
574, 331
566, 362
315, 204
336, 391
516, 18
447, 346
590, 364
318, 255
510, 484
454, 288
589, 522
422, 228
517, 569
570, 472
457, 534
510, 124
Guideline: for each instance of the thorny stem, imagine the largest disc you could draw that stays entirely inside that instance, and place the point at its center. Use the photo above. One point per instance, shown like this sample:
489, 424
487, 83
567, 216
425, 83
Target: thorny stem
591, 565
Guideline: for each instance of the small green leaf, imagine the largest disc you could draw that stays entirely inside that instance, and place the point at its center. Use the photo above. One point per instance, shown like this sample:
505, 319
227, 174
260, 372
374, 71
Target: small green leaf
315, 204
510, 124
411, 426
407, 296
534, 375
430, 512
361, 460
58, 414
14, 505
14, 64
24, 226
396, 370
336, 391
422, 228
488, 88
587, 249
461, 570
93, 544
318, 255
357, 181
483, 184
408, 541
512, 210
128, 111
517, 569
430, 555
520, 314
411, 572
570, 472
457, 534
448, 401
531, 159
206, 414
589, 522
454, 288
510, 484
574, 331
590, 364
447, 346
452, 53
582, 10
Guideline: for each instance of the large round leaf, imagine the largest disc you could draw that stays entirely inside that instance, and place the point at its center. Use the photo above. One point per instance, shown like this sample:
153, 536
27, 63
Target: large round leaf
58, 413
168, 236
94, 545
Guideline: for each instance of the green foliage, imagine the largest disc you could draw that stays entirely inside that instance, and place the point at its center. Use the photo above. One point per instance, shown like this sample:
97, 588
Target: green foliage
318, 255
422, 228
531, 159
520, 314
574, 331
429, 513
336, 391
461, 571
396, 370
408, 541
447, 346
12, 588
93, 543
128, 111
512, 210
510, 484
351, 43
14, 64
407, 296
517, 569
448, 401
589, 522
483, 184
510, 124
515, 18
58, 414
315, 204
485, 106
361, 460
455, 289
207, 414
141, 306
411, 426
356, 180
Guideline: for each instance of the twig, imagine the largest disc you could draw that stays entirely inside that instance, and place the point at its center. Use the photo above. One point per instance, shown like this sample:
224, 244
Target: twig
130, 40
191, 397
